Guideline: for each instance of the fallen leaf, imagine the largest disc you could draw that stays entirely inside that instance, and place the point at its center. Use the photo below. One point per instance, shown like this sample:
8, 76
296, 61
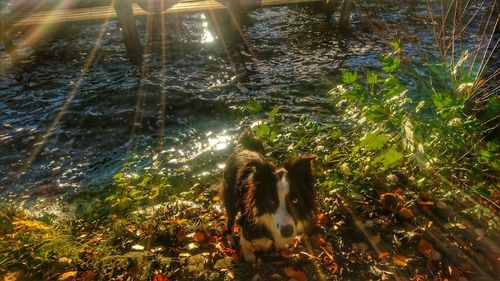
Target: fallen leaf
295, 274
138, 247
336, 268
305, 255
322, 218
160, 277
425, 203
383, 255
181, 235
87, 275
29, 225
286, 253
425, 248
65, 260
328, 252
276, 276
406, 213
318, 239
179, 220
199, 236
216, 198
70, 275
400, 260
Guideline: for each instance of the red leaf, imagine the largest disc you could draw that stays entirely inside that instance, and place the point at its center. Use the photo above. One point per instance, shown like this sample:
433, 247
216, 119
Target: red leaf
295, 274
383, 255
160, 277
199, 236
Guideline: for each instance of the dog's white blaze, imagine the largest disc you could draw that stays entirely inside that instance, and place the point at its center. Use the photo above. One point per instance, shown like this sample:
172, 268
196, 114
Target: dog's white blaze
282, 217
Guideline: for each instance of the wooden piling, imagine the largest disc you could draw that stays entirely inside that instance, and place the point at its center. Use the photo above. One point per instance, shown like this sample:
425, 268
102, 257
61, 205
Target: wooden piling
345, 13
126, 17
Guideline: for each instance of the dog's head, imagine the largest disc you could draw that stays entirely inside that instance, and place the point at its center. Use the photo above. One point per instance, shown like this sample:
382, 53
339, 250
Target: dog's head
283, 198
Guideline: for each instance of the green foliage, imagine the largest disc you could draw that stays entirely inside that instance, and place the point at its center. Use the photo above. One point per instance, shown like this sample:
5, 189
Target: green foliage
130, 191
254, 106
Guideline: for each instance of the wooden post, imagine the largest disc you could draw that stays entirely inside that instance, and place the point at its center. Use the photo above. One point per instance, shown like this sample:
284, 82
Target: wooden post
328, 7
126, 17
345, 13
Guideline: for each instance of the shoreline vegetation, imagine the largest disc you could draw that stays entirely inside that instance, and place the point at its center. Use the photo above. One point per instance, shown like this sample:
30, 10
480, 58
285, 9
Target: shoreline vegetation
407, 179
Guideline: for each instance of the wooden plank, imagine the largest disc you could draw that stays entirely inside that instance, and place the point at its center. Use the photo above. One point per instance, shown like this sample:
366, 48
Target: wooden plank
107, 12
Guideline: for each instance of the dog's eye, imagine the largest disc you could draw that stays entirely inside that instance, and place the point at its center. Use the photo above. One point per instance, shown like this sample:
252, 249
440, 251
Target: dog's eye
295, 200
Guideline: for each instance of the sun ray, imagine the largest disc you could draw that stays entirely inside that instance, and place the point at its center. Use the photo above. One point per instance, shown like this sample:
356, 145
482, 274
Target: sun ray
71, 95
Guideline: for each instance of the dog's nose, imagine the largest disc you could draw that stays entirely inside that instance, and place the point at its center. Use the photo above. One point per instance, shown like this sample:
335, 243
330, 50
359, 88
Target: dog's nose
286, 230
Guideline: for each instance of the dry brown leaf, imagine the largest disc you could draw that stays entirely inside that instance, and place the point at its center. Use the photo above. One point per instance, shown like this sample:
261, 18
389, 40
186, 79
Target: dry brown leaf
328, 252
286, 253
181, 235
425, 248
295, 274
406, 213
275, 276
70, 275
400, 260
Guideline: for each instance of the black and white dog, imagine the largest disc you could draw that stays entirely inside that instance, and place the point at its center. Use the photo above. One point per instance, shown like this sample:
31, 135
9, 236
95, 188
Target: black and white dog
276, 203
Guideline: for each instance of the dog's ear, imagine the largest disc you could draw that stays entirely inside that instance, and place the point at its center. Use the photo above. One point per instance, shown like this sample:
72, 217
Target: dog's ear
303, 165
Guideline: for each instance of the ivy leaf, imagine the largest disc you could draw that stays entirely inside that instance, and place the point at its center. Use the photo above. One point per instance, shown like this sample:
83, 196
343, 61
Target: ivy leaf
388, 158
349, 77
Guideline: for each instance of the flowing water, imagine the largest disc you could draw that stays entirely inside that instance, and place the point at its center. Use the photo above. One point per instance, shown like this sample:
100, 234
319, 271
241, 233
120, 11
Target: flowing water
109, 118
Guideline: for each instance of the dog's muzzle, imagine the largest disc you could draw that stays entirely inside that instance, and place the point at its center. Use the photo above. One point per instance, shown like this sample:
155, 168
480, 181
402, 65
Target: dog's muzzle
286, 230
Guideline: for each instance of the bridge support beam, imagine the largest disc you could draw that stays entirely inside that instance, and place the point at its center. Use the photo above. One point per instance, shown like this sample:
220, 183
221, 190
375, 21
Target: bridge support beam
345, 13
126, 17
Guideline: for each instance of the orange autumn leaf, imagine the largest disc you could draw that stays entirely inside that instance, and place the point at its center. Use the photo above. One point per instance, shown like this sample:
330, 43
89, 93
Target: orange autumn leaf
295, 274
160, 277
322, 218
70, 275
425, 203
198, 236
400, 260
336, 268
424, 247
383, 255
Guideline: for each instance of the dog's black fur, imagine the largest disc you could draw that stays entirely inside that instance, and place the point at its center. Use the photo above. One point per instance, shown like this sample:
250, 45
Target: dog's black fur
252, 187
